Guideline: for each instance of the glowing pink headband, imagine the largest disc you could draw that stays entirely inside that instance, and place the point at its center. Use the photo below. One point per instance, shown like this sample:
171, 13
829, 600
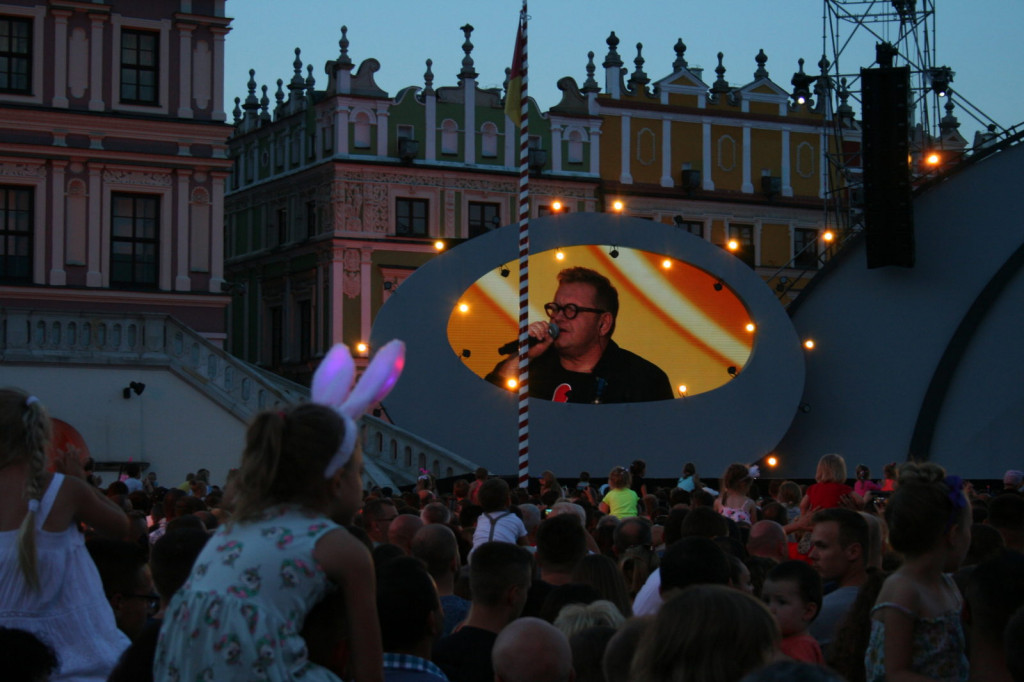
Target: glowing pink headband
332, 386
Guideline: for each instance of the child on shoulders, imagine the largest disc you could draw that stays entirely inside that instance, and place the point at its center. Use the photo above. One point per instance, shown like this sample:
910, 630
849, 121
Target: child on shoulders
497, 523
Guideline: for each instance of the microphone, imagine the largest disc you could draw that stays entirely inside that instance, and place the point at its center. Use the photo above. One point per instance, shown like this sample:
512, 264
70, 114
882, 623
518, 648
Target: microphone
512, 347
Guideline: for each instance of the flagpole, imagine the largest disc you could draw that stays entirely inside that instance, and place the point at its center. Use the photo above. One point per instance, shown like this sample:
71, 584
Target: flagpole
524, 253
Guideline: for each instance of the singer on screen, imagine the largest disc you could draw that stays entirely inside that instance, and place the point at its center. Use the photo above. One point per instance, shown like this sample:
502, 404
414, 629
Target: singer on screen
572, 356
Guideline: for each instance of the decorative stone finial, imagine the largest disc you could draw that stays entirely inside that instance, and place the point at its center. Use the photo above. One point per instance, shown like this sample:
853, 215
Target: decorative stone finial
761, 60
467, 62
638, 80
720, 84
949, 122
310, 81
251, 103
297, 82
845, 111
279, 95
612, 58
680, 62
264, 105
237, 112
590, 85
428, 78
343, 59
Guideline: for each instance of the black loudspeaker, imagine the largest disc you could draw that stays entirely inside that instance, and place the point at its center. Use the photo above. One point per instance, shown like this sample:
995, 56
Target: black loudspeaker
888, 211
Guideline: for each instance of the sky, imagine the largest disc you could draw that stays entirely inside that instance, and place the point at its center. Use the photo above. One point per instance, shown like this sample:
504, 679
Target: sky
978, 39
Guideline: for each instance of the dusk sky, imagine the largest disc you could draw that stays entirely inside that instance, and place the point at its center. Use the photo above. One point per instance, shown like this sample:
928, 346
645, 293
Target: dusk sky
979, 40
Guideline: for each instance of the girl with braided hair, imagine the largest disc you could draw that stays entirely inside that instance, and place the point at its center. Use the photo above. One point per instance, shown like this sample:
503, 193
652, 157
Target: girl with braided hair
48, 583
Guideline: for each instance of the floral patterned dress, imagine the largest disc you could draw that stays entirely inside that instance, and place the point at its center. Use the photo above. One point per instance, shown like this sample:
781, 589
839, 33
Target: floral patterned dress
239, 615
939, 645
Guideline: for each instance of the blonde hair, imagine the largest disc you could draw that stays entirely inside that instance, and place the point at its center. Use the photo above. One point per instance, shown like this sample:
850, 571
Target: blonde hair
707, 633
286, 453
574, 618
831, 469
619, 477
25, 435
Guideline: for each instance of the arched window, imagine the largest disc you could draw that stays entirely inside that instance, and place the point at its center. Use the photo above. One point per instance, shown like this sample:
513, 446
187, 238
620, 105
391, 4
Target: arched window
489, 140
449, 137
361, 130
575, 151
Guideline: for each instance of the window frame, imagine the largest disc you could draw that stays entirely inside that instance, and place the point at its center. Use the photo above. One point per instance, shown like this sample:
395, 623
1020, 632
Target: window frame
138, 68
11, 56
805, 256
411, 204
135, 261
26, 234
744, 234
478, 225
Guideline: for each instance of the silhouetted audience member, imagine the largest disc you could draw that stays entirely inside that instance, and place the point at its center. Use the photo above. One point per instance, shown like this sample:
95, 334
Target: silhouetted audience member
127, 582
532, 650
24, 657
410, 618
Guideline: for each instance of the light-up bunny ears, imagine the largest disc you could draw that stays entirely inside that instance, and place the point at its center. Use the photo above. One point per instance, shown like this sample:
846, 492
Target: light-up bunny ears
332, 386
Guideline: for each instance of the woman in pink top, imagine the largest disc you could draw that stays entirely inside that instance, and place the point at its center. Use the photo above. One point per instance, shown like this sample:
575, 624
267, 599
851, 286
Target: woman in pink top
864, 485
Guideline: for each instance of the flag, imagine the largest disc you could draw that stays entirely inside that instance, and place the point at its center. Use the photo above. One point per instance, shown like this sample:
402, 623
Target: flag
513, 95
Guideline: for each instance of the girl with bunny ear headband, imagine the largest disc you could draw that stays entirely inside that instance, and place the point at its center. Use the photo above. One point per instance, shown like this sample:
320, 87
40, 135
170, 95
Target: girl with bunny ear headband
283, 551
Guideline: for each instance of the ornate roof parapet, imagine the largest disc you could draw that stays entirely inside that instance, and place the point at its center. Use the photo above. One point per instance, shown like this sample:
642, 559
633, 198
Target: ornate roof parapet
467, 72
638, 80
279, 97
339, 71
428, 79
297, 85
801, 83
343, 61
264, 107
720, 86
822, 88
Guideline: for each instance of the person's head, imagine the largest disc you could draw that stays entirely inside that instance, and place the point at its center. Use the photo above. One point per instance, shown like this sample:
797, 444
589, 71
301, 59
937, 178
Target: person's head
831, 469
561, 543
170, 502
789, 493
793, 671
436, 546
172, 556
891, 471
127, 582
603, 574
737, 478
408, 607
995, 590
619, 478
460, 489
774, 511
23, 656
689, 469
862, 472
703, 522
494, 495
619, 654
588, 646
929, 511
693, 561
1012, 479
25, 434
531, 650
500, 575
768, 539
638, 467
1006, 515
285, 460
1013, 642
132, 470
435, 512
403, 529
630, 532
592, 302
986, 542
839, 542
793, 593
531, 517
378, 513
710, 633
573, 618
548, 478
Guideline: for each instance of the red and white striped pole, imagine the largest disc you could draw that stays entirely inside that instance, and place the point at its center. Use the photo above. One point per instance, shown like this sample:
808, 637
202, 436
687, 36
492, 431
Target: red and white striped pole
524, 252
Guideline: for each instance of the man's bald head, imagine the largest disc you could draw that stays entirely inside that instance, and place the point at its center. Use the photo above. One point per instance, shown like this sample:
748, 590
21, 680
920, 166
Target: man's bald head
768, 539
402, 530
532, 650
437, 547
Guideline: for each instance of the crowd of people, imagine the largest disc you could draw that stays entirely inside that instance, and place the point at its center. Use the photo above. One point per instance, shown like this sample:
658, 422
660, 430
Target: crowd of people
291, 570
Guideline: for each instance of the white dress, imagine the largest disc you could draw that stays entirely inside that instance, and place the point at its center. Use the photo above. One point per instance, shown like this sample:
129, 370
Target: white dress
70, 613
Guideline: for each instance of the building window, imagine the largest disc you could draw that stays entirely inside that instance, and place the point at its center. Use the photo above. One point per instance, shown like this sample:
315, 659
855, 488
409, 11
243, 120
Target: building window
140, 67
694, 227
276, 336
16, 234
744, 236
15, 56
488, 140
449, 137
134, 240
361, 131
411, 217
305, 329
310, 219
805, 249
282, 226
483, 217
544, 210
575, 147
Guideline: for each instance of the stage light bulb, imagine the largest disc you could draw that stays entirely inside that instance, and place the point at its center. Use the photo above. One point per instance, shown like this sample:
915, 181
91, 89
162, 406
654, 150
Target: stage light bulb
933, 159
666, 264
463, 308
618, 206
733, 245
809, 344
801, 99
682, 389
512, 384
362, 347
556, 206
828, 236
772, 461
559, 255
750, 326
439, 245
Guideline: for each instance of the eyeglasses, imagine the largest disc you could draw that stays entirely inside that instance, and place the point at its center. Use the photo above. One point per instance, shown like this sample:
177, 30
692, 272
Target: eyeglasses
152, 601
569, 310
